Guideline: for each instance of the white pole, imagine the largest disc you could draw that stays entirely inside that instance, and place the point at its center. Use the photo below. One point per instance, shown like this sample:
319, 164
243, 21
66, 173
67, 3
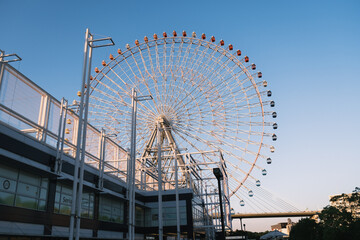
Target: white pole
159, 184
177, 199
83, 145
62, 139
59, 138
131, 169
101, 158
133, 160
78, 142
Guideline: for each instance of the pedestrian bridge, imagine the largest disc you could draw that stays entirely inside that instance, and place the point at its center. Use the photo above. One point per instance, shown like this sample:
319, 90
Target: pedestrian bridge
275, 214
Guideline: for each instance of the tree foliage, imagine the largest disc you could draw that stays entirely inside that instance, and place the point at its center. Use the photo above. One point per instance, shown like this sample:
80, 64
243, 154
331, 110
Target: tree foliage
306, 229
340, 222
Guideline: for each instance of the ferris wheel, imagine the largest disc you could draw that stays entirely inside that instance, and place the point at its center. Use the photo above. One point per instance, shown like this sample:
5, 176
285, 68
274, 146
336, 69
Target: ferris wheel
209, 94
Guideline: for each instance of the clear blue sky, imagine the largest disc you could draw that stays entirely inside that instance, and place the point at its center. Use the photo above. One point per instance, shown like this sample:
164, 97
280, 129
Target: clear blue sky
308, 51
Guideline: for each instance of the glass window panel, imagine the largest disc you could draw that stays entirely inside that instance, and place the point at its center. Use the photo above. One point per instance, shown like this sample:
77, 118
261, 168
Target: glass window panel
57, 197
119, 220
85, 203
56, 207
65, 199
7, 184
106, 210
66, 190
7, 198
170, 222
42, 205
116, 212
105, 201
28, 190
91, 214
29, 178
154, 210
44, 182
183, 221
105, 214
65, 209
170, 215
43, 193
85, 213
139, 216
170, 210
19, 96
182, 209
8, 172
54, 117
26, 202
110, 209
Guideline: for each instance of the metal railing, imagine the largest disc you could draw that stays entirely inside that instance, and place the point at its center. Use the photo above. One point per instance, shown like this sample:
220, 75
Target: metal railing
28, 108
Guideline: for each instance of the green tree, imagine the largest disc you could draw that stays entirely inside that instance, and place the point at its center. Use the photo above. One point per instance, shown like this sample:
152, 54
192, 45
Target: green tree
306, 229
336, 223
340, 222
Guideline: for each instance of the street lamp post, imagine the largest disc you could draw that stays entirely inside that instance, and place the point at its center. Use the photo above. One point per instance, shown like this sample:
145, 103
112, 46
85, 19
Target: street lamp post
131, 163
6, 58
90, 43
245, 231
219, 176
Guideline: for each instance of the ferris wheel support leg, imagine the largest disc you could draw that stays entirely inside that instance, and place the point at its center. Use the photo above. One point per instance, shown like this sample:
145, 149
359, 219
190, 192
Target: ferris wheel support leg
177, 198
159, 183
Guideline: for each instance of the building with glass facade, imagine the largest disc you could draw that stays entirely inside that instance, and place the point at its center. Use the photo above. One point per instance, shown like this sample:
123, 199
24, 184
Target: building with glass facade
35, 201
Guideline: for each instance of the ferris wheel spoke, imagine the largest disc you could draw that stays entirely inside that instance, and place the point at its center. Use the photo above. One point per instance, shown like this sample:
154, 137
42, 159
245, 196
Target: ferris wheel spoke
217, 139
205, 157
226, 136
202, 93
111, 90
171, 59
118, 64
128, 88
158, 68
144, 79
209, 143
138, 80
154, 76
202, 57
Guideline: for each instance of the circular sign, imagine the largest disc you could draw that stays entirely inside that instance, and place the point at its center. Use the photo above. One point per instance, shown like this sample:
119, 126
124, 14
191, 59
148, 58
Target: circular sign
6, 184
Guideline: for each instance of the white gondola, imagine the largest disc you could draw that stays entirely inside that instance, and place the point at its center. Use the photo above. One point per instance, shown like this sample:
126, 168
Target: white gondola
251, 194
274, 137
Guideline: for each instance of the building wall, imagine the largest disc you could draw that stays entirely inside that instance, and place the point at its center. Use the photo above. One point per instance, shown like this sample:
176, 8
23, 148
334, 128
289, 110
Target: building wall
36, 201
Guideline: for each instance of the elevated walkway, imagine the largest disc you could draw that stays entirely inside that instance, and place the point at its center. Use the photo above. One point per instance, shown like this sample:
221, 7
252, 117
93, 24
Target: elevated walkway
274, 215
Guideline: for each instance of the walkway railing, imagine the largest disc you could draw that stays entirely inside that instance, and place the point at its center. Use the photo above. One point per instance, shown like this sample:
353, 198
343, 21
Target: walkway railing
30, 109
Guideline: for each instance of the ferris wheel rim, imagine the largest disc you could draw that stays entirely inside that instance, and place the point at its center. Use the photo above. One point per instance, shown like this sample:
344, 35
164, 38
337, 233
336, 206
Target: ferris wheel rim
202, 43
